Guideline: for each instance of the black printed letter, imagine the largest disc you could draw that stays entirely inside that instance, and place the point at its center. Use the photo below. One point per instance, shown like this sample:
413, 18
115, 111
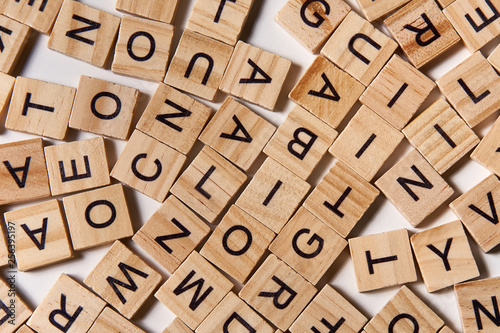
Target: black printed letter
276, 295
320, 18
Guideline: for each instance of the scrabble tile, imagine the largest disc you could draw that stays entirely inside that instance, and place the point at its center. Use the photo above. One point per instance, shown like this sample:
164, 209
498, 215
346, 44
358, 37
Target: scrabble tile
494, 58
277, 292
194, 290
341, 198
446, 329
84, 33
405, 312
237, 244
40, 15
40, 108
77, 165
329, 310
366, 143
373, 10
255, 75
198, 65
23, 172
171, 234
25, 329
422, 31
117, 265
359, 48
208, 184
177, 326
148, 166
143, 48
112, 322
222, 20
103, 107
472, 88
13, 38
97, 217
300, 142
11, 319
440, 135
486, 153
312, 22
382, 260
158, 10
68, 306
231, 313
444, 256
41, 236
6, 86
174, 118
397, 92
326, 91
414, 187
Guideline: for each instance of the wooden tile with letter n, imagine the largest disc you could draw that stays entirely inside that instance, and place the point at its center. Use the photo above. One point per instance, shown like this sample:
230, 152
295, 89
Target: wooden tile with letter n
13, 38
6, 87
198, 65
84, 33
194, 290
21, 311
171, 234
111, 321
40, 108
97, 217
414, 187
382, 260
255, 75
374, 10
360, 49
38, 14
177, 326
326, 91
444, 256
440, 135
121, 267
422, 31
158, 10
341, 198
487, 153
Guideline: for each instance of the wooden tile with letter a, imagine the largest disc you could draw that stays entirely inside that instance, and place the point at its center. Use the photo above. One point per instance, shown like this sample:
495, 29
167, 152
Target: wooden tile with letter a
111, 321
13, 38
39, 14
21, 313
6, 87
373, 10
487, 153
158, 10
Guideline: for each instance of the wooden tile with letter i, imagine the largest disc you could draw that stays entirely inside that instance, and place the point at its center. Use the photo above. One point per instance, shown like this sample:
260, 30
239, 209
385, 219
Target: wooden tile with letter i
13, 38
194, 290
38, 14
177, 326
414, 187
21, 312
487, 153
382, 260
373, 10
158, 10
6, 87
255, 75
112, 322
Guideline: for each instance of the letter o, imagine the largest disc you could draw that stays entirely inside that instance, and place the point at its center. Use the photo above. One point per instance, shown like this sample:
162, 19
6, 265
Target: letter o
130, 44
104, 224
99, 115
229, 232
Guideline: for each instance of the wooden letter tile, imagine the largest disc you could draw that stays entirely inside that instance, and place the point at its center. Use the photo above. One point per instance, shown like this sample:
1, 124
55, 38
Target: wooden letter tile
177, 326
382, 260
373, 10
25, 329
158, 10
494, 58
487, 152
38, 14
18, 315
13, 37
6, 87
110, 321
446, 329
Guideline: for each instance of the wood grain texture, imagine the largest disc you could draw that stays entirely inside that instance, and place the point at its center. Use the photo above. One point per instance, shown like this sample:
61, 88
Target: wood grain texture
374, 10
33, 13
486, 153
112, 322
15, 36
23, 312
158, 10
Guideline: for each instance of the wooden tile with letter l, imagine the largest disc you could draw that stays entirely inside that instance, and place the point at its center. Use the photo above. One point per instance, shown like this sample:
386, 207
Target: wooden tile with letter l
194, 290
112, 322
360, 49
97, 217
38, 14
40, 108
341, 198
171, 234
440, 135
422, 31
382, 260
21, 312
414, 187
143, 48
6, 87
77, 165
148, 166
326, 91
255, 75
158, 10
67, 307
487, 153
366, 143
237, 244
312, 22
397, 92
198, 65
444, 256
177, 326
121, 267
374, 10
307, 242
13, 38
103, 107
300, 142
329, 310
84, 33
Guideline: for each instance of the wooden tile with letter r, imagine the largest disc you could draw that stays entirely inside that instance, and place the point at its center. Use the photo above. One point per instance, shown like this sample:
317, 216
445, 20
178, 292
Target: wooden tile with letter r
374, 10
158, 10
111, 321
487, 153
177, 326
21, 311
13, 38
38, 14
6, 87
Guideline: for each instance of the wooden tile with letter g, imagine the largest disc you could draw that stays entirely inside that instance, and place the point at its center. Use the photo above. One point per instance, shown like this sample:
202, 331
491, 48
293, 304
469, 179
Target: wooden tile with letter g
6, 87
487, 153
374, 10
158, 10
177, 326
13, 39
40, 14
111, 321
21, 311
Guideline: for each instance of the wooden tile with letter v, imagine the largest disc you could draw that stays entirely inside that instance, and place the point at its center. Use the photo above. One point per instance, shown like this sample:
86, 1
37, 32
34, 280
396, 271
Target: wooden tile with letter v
38, 14
177, 326
487, 153
111, 321
84, 33
158, 10
374, 10
6, 87
18, 315
13, 38
255, 75
414, 187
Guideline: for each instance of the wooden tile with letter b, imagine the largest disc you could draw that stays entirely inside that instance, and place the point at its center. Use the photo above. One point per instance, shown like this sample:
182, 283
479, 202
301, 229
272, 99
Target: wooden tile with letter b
111, 321
487, 153
158, 10
6, 87
21, 311
374, 10
13, 38
38, 14
177, 326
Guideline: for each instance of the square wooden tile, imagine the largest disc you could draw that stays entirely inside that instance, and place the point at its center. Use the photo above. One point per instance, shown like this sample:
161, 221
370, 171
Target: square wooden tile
444, 3
112, 322
25, 329
446, 329
487, 152
13, 38
6, 87
494, 58
177, 326
382, 260
373, 10
22, 311
40, 15
158, 10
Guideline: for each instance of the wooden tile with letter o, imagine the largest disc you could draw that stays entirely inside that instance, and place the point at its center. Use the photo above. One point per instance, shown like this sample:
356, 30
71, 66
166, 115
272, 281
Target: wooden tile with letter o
374, 10
158, 10
177, 326
112, 322
40, 15
22, 311
6, 87
13, 38
487, 153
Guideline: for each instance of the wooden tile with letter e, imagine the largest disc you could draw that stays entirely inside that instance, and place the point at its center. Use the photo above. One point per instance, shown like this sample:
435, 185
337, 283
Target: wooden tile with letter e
13, 38
373, 10
84, 33
38, 14
194, 290
177, 326
382, 260
414, 187
21, 312
97, 217
158, 10
341, 198
6, 87
487, 153
111, 321
255, 75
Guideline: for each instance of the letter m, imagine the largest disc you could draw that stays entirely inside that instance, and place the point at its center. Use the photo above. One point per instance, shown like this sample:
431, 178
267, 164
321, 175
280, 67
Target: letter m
198, 284
130, 285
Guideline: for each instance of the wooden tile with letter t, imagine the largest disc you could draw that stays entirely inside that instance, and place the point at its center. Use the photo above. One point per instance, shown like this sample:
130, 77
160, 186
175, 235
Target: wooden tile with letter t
38, 14
21, 311
194, 290
158, 10
112, 322
373, 10
487, 153
382, 260
117, 265
414, 187
177, 326
13, 38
